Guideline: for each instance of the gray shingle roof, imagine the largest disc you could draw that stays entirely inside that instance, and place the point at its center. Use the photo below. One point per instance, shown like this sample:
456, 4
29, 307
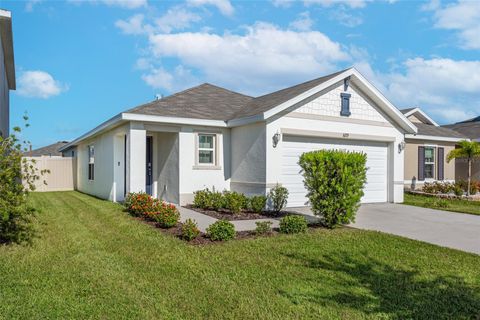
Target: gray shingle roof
470, 128
431, 130
207, 101
50, 150
404, 111
271, 100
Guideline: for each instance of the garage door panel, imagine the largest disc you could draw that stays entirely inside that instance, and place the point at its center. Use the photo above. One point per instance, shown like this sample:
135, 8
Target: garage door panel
293, 147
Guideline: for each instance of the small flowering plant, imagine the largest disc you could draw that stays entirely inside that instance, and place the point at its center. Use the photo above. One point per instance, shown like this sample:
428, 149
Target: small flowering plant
141, 204
167, 216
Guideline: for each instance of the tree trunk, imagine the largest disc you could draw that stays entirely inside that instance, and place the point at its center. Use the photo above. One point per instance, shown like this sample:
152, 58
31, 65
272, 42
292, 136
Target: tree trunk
469, 175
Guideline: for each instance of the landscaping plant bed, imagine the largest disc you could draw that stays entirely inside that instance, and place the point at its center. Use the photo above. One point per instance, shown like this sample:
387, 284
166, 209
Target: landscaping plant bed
222, 214
202, 238
475, 197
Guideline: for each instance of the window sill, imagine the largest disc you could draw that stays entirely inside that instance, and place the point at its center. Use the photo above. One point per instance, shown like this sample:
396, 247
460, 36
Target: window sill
206, 167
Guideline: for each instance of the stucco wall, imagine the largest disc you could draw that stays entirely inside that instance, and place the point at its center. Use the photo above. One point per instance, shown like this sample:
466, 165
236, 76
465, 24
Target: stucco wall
248, 158
193, 177
104, 185
4, 96
411, 159
166, 167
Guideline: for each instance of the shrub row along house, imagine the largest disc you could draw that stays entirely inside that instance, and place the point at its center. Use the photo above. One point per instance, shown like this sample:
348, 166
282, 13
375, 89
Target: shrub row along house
212, 137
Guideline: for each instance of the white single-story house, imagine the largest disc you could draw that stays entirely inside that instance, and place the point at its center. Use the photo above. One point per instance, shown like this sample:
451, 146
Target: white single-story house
212, 137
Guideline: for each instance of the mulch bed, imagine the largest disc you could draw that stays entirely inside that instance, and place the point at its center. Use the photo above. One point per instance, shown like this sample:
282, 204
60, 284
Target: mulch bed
202, 239
244, 215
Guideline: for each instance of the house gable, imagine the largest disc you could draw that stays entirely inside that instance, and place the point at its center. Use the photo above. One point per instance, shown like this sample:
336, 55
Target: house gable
414, 119
329, 105
354, 80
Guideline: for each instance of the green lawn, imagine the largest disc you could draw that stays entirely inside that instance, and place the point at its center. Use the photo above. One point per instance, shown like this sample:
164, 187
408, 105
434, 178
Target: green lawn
91, 260
455, 205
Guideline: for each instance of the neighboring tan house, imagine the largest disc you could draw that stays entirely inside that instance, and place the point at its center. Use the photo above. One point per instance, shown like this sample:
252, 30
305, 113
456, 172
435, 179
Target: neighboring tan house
7, 70
471, 129
212, 137
426, 152
47, 151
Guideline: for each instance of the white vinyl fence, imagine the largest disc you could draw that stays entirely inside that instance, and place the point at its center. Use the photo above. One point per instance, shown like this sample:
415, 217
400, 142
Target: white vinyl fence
61, 176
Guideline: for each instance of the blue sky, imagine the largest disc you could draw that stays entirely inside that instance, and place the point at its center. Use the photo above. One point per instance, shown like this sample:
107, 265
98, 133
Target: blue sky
79, 63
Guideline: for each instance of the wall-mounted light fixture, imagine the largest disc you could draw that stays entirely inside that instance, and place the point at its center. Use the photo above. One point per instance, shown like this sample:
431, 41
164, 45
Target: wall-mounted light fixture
276, 139
346, 83
401, 146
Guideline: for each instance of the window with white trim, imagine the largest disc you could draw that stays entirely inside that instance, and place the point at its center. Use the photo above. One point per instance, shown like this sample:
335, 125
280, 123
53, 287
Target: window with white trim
429, 162
91, 163
206, 149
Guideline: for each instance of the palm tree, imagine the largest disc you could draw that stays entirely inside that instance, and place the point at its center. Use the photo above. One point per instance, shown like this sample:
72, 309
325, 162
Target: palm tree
467, 150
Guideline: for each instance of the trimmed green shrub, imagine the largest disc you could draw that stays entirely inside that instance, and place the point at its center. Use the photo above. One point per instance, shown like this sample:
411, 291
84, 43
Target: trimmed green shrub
201, 198
263, 227
216, 200
278, 197
334, 180
190, 230
293, 224
257, 203
458, 191
234, 201
167, 216
141, 203
222, 230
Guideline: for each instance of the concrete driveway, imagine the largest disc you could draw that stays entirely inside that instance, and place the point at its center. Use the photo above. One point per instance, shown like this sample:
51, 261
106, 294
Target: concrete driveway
449, 229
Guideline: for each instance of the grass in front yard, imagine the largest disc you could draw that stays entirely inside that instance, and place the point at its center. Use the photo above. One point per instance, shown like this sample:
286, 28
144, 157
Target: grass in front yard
454, 205
91, 260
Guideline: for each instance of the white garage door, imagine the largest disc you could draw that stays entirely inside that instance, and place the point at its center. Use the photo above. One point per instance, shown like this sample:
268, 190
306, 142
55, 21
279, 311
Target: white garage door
291, 177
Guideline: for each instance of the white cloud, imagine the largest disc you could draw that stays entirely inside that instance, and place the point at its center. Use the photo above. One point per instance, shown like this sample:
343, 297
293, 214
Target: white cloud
126, 4
463, 17
447, 89
224, 6
159, 78
263, 58
282, 3
29, 5
303, 22
39, 84
346, 19
349, 3
134, 25
176, 18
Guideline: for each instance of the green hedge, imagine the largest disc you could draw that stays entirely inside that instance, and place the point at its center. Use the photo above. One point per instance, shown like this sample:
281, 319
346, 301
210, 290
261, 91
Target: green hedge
334, 180
232, 201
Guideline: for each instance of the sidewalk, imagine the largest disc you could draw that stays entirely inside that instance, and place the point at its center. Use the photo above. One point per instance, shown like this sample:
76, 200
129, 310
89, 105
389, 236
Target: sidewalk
205, 221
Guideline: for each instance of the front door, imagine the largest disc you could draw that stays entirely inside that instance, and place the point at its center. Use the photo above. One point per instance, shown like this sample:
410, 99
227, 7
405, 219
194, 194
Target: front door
149, 169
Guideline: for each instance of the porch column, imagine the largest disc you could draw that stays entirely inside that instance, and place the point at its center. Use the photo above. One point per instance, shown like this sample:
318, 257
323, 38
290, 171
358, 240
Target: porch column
136, 157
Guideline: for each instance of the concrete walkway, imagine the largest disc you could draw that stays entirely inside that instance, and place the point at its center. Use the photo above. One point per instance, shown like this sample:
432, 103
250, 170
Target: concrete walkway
204, 221
448, 229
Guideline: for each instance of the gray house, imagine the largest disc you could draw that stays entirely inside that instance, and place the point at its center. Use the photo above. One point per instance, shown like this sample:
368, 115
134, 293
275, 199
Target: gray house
471, 129
7, 70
